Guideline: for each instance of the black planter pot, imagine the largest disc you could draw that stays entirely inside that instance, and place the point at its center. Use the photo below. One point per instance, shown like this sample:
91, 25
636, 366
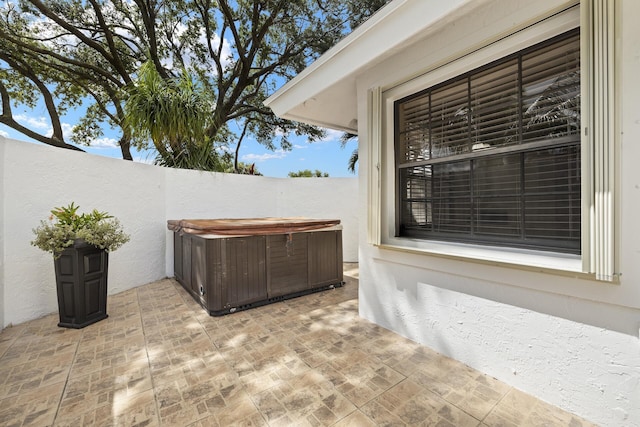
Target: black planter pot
81, 279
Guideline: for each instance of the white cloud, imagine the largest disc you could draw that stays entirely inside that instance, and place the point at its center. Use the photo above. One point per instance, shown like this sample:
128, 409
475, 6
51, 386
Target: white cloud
54, 36
3, 133
300, 146
280, 154
332, 135
226, 55
105, 143
58, 38
67, 129
43, 124
34, 122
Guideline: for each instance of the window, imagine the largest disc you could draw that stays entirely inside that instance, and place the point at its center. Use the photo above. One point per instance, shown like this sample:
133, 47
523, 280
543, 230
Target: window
493, 156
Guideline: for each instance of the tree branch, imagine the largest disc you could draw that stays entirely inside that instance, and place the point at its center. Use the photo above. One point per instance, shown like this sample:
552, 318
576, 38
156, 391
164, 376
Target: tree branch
46, 11
26, 71
149, 16
244, 131
116, 61
6, 118
61, 58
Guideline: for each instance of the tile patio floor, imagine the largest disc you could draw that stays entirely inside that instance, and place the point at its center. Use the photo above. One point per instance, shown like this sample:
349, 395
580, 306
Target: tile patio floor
159, 359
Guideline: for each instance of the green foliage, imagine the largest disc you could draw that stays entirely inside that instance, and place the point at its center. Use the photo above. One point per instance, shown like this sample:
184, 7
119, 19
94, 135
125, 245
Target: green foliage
65, 226
68, 215
200, 157
245, 169
170, 112
175, 114
360, 12
307, 173
58, 53
235, 54
353, 159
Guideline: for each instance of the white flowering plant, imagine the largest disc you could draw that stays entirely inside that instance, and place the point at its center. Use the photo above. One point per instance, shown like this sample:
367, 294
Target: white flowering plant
65, 226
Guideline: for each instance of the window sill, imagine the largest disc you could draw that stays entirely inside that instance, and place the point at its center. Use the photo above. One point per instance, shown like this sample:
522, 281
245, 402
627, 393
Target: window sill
547, 262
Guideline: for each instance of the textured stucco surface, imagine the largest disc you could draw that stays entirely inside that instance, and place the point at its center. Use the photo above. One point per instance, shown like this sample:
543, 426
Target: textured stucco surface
37, 178
580, 366
569, 340
207, 195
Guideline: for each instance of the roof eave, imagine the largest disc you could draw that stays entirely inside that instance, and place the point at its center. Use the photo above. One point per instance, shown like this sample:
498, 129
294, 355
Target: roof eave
392, 27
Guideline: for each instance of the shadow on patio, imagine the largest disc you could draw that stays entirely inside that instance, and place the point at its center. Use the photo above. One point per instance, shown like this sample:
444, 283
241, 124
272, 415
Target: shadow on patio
160, 359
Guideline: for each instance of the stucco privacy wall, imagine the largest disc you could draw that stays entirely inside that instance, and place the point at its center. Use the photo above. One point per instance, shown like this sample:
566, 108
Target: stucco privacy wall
570, 341
199, 194
36, 178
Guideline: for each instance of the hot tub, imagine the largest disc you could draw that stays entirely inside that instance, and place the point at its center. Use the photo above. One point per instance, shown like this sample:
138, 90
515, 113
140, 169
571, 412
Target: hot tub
235, 264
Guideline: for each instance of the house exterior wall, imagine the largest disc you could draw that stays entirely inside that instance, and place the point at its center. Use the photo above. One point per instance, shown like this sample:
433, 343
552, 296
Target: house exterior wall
559, 335
36, 178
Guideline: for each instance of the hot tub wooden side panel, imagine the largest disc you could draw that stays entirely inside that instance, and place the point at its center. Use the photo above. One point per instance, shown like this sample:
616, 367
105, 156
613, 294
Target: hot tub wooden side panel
182, 259
325, 258
225, 274
287, 263
237, 273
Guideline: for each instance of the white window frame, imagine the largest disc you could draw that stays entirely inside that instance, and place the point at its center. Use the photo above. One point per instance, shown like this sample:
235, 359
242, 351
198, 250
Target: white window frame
598, 258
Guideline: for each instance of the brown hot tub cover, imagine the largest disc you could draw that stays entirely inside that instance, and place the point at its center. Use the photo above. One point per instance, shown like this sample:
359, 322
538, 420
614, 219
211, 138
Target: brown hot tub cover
249, 226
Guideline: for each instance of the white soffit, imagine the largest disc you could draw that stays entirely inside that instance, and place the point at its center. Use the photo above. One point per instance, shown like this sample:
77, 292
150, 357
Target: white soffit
325, 92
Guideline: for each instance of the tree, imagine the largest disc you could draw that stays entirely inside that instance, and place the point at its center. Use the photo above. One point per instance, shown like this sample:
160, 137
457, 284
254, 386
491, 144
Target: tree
361, 11
244, 169
174, 115
353, 159
73, 53
307, 173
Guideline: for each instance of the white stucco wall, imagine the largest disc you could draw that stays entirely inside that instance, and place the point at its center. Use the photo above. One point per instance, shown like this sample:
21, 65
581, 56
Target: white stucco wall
566, 339
36, 178
205, 195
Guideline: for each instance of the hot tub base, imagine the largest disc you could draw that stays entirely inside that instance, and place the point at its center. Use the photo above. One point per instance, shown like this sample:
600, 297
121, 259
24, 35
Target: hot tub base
272, 300
227, 273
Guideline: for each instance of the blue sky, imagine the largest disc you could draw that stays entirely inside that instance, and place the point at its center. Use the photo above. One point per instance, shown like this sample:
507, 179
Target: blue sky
327, 155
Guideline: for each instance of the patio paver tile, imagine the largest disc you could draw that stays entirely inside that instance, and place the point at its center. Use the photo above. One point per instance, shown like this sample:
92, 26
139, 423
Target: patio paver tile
34, 408
8, 337
160, 360
305, 400
355, 419
468, 389
41, 342
17, 380
518, 408
136, 410
111, 387
409, 404
91, 358
360, 377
